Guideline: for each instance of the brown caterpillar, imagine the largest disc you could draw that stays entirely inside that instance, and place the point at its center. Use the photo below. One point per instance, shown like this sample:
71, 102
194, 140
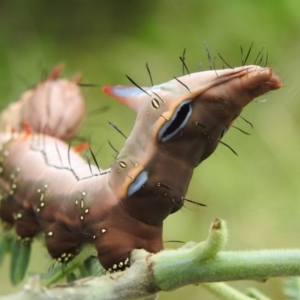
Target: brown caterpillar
46, 186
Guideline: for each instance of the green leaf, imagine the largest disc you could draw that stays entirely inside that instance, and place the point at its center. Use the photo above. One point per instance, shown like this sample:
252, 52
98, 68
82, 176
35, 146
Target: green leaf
71, 277
62, 270
91, 267
4, 246
20, 252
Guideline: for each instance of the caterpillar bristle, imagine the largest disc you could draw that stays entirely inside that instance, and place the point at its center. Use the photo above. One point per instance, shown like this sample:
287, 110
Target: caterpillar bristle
248, 122
241, 130
149, 73
184, 66
247, 55
117, 129
230, 148
182, 84
139, 87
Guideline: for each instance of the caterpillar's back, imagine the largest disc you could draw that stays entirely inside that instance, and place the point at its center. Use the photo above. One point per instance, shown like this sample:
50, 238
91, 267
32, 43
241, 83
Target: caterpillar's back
55, 107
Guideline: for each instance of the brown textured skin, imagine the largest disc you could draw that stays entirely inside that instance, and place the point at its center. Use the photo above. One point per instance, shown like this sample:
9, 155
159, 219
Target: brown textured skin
70, 210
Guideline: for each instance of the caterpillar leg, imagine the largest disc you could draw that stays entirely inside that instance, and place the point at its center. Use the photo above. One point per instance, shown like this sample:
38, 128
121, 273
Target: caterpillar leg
7, 209
61, 242
27, 225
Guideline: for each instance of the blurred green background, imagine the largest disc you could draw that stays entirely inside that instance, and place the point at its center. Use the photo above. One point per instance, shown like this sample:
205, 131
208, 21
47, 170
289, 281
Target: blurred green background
258, 192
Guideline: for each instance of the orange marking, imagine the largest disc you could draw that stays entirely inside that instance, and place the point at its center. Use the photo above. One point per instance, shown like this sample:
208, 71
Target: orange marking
27, 129
81, 147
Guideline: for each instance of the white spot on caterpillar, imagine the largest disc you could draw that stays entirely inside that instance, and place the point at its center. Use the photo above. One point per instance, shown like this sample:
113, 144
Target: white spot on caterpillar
81, 218
103, 230
17, 216
115, 267
42, 204
38, 210
83, 193
50, 233
94, 237
81, 203
76, 202
86, 211
46, 186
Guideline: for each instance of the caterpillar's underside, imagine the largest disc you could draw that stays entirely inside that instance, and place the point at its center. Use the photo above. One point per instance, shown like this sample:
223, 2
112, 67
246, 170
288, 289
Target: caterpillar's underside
46, 186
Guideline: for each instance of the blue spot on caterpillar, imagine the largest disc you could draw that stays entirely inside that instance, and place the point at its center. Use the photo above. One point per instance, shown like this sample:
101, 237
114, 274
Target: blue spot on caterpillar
138, 183
46, 186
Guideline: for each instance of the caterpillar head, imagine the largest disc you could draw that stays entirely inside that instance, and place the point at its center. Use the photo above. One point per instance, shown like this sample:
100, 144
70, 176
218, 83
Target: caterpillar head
202, 105
178, 125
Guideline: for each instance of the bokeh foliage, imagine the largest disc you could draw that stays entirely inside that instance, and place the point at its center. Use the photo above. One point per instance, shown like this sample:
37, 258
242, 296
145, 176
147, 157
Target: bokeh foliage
258, 192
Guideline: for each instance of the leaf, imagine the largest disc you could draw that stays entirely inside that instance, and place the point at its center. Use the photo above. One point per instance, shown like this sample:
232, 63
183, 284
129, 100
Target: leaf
91, 267
20, 252
4, 246
71, 277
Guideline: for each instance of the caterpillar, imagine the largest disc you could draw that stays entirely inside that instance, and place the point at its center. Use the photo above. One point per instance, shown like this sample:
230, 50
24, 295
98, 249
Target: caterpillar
46, 186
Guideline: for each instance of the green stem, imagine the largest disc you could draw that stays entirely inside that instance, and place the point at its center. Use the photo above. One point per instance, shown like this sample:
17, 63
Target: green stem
179, 270
61, 271
225, 291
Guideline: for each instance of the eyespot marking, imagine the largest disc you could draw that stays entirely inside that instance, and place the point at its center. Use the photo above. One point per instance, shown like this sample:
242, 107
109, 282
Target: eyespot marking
177, 122
155, 103
138, 183
122, 164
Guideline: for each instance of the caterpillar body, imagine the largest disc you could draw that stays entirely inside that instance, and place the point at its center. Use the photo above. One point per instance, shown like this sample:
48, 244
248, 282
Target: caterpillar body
46, 186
